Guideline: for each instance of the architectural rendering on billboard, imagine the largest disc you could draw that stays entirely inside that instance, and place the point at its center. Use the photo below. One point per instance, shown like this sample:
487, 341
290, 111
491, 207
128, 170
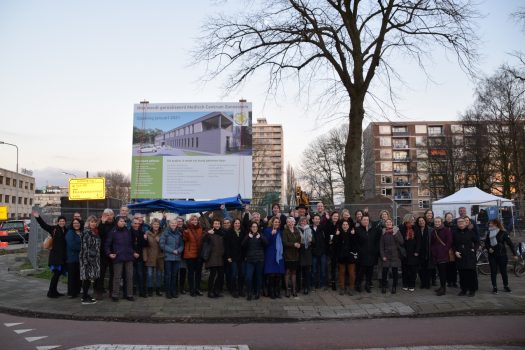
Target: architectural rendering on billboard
191, 150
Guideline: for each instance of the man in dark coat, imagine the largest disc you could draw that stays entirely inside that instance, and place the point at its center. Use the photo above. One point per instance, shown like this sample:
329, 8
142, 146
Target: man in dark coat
465, 245
368, 242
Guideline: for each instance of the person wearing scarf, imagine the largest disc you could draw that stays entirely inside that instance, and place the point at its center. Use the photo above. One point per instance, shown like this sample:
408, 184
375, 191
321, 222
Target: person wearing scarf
273, 257
465, 245
305, 253
291, 245
389, 244
412, 245
89, 258
495, 243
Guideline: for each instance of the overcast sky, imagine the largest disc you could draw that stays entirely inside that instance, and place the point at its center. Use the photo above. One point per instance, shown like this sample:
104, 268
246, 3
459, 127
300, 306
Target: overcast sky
70, 72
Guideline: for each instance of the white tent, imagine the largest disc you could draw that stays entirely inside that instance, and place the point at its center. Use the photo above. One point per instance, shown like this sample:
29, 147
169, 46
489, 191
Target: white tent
468, 197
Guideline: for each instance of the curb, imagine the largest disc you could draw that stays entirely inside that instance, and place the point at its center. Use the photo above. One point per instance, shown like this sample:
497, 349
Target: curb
197, 320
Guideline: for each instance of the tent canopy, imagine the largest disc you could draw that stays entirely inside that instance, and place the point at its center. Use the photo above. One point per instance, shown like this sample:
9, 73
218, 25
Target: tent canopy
468, 197
183, 207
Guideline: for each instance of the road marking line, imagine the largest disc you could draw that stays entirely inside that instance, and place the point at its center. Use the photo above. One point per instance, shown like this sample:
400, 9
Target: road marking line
12, 324
20, 331
48, 347
32, 339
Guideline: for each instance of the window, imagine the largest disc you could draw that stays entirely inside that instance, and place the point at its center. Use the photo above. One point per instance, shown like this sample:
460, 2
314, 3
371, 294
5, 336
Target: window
19, 200
384, 129
25, 201
386, 166
385, 141
400, 168
421, 141
424, 192
0, 198
398, 129
400, 143
421, 129
1, 180
20, 184
30, 201
385, 179
13, 199
26, 186
8, 181
421, 153
385, 154
386, 191
423, 204
423, 178
422, 166
400, 155
7, 198
457, 140
192, 142
456, 129
197, 142
435, 130
14, 182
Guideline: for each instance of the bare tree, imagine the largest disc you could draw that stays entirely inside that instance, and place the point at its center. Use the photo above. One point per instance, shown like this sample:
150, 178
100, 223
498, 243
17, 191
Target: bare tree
117, 185
350, 40
291, 183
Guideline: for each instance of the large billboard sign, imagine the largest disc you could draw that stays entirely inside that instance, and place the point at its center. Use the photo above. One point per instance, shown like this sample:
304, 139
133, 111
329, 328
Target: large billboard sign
191, 150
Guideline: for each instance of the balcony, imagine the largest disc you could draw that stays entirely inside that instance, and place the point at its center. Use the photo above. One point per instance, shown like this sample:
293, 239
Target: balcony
401, 172
400, 133
403, 197
402, 160
402, 184
400, 146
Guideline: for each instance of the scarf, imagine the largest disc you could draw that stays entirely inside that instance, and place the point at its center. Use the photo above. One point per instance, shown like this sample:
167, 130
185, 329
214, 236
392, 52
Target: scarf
389, 231
278, 247
306, 235
492, 235
410, 232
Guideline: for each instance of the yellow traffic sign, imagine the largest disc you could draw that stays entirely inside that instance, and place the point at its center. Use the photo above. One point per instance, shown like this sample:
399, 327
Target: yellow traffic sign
87, 188
3, 212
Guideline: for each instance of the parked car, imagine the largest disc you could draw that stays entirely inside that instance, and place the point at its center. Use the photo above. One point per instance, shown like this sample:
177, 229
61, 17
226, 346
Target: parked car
148, 149
17, 230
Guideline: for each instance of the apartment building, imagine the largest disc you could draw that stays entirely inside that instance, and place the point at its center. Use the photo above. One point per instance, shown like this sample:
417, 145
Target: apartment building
17, 192
268, 160
396, 160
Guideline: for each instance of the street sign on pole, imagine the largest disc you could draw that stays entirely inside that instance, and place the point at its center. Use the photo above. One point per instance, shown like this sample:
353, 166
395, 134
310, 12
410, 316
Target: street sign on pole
87, 188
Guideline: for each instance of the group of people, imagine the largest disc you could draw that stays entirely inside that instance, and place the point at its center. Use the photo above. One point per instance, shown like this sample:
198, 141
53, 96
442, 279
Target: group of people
258, 256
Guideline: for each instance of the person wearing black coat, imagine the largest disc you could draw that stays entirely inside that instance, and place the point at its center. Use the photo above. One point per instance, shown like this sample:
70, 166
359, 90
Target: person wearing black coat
330, 229
57, 255
254, 243
140, 241
346, 248
106, 225
233, 255
412, 245
319, 253
368, 252
465, 245
426, 263
495, 242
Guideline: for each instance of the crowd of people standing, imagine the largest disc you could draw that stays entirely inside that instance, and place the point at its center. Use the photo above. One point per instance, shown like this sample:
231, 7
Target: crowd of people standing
251, 256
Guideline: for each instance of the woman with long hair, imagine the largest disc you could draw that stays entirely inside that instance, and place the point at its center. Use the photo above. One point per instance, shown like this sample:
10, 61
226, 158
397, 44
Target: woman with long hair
273, 257
154, 258
498, 260
89, 258
291, 246
73, 241
412, 245
426, 262
254, 243
441, 242
389, 251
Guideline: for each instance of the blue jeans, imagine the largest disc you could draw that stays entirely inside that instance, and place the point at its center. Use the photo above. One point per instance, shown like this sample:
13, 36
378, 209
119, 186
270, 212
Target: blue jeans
254, 271
158, 274
318, 268
138, 276
171, 273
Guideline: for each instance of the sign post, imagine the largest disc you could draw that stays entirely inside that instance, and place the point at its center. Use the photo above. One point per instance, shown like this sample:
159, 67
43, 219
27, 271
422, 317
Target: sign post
87, 189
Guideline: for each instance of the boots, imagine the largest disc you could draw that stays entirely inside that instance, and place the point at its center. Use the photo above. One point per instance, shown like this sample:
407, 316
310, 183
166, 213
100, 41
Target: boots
441, 292
150, 292
271, 287
157, 291
277, 287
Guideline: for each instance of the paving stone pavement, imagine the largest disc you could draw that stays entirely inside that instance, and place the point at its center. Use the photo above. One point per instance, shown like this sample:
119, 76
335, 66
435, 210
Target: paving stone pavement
27, 296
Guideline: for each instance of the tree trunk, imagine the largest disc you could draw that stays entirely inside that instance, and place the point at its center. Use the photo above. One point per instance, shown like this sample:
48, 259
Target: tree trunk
353, 152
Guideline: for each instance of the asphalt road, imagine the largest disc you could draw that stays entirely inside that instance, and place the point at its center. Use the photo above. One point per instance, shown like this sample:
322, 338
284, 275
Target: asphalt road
493, 330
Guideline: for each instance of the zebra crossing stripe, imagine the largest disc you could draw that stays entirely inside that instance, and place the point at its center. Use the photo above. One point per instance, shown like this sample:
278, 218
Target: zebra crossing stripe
20, 331
12, 324
32, 339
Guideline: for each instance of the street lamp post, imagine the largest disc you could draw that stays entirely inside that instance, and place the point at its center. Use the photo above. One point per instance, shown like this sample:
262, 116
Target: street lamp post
17, 176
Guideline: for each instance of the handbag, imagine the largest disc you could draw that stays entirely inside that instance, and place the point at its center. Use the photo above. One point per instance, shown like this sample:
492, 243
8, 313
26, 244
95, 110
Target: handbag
48, 242
205, 252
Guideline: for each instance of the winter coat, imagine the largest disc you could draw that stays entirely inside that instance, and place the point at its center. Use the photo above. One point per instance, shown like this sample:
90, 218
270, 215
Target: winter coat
330, 229
440, 250
466, 243
103, 231
139, 242
346, 247
305, 254
152, 253
425, 255
171, 242
233, 245
499, 250
389, 248
73, 246
57, 255
217, 249
271, 265
192, 241
412, 246
120, 241
320, 244
254, 247
368, 245
89, 256
291, 253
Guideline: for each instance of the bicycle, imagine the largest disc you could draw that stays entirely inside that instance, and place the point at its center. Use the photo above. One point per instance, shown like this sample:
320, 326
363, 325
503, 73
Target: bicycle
482, 259
519, 265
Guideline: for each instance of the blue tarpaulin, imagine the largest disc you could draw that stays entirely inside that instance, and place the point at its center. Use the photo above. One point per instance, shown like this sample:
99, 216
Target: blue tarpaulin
182, 207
